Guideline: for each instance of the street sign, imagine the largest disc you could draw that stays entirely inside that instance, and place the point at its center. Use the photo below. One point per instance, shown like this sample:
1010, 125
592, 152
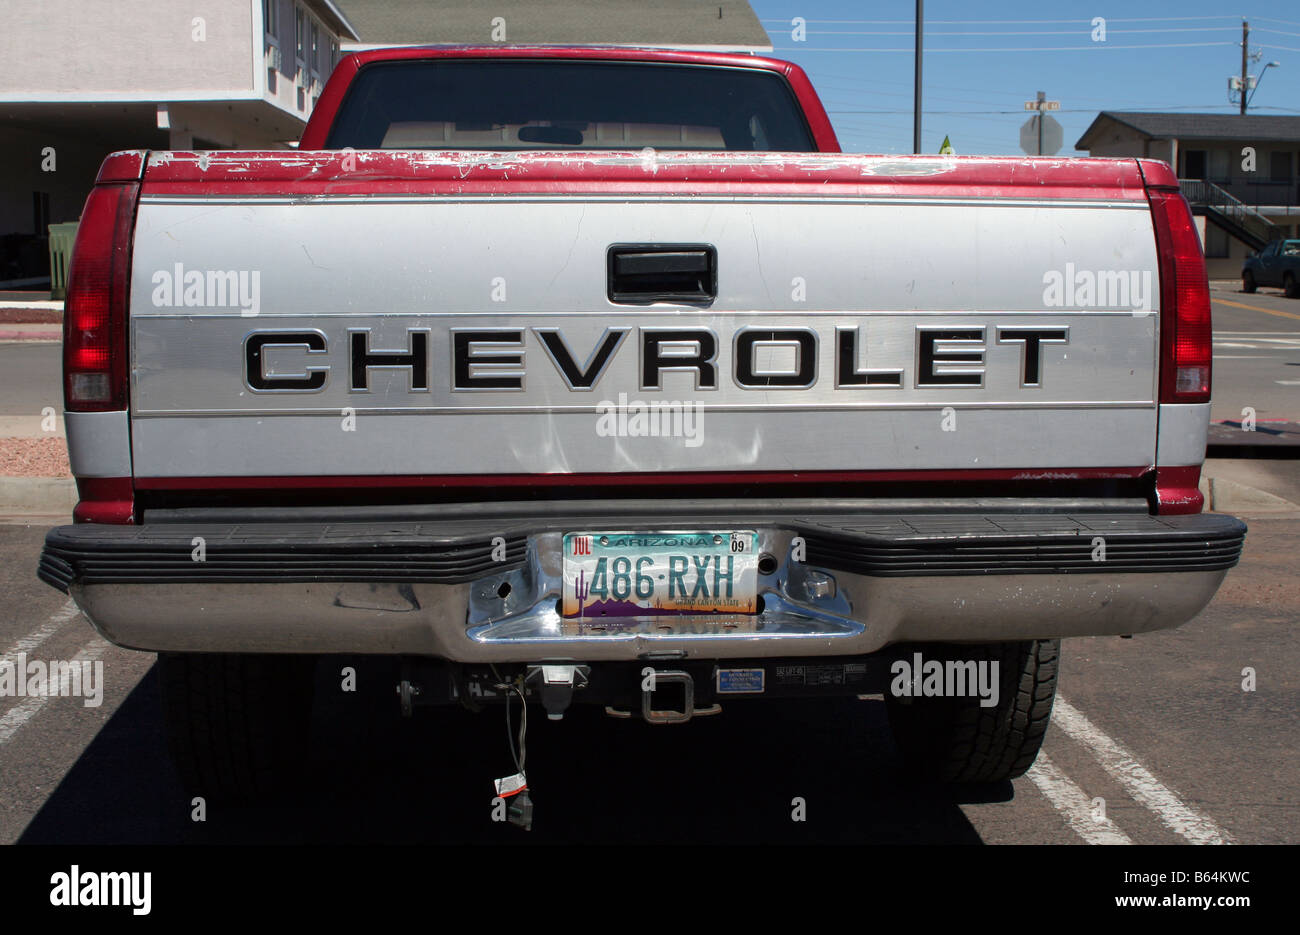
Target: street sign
1042, 105
1052, 136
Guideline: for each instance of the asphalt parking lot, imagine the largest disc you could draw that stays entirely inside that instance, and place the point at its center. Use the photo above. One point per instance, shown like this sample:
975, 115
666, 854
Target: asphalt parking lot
1154, 739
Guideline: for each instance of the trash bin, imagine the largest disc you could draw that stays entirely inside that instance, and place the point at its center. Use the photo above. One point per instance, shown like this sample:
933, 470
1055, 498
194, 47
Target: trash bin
62, 237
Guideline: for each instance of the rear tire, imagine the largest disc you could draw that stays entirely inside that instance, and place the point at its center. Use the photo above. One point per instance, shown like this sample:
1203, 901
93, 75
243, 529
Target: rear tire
1291, 286
1248, 282
237, 726
955, 740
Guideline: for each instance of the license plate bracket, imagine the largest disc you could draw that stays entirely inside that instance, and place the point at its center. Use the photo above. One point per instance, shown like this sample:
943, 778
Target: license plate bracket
627, 574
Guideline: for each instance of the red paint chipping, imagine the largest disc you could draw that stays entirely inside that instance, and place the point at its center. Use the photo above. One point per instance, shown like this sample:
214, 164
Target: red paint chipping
1178, 490
109, 500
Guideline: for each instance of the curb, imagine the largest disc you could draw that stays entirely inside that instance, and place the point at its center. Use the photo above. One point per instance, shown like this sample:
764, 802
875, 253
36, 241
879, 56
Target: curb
1229, 496
21, 496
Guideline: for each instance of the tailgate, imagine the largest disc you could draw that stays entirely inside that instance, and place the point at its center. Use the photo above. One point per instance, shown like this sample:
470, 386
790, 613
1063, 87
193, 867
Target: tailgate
431, 315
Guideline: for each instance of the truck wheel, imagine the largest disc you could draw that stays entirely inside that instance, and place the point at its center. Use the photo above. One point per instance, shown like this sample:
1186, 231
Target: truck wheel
1248, 281
954, 739
237, 726
1291, 286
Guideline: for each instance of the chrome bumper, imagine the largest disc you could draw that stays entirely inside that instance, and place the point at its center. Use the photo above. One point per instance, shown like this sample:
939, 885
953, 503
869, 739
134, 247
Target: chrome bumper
446, 590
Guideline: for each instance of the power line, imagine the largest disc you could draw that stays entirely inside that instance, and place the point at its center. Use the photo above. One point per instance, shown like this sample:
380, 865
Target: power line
1052, 32
1021, 22
1066, 48
1064, 110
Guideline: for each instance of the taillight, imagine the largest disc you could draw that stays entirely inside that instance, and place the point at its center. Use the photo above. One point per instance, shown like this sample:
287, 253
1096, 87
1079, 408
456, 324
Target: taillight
1186, 346
94, 318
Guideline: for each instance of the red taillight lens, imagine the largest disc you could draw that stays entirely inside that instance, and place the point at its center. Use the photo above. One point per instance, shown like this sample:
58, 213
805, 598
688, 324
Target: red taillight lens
1186, 345
94, 318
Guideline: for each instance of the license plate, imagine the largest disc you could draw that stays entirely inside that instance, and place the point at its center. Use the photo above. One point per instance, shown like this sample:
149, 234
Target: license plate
647, 574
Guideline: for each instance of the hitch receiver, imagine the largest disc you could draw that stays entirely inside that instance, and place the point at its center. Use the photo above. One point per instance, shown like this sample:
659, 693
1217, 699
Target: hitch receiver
655, 715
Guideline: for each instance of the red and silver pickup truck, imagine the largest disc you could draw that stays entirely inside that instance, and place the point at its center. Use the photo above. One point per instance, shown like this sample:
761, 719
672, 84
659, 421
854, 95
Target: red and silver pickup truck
602, 376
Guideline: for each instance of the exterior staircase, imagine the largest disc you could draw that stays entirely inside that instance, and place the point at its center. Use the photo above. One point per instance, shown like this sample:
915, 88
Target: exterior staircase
1229, 212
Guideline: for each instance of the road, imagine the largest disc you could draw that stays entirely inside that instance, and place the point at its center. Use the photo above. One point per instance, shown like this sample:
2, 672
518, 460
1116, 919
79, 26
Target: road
1157, 729
1256, 355
1173, 700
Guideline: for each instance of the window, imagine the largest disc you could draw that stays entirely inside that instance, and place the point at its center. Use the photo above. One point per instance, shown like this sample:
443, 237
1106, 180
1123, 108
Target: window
313, 62
1216, 241
1279, 166
334, 54
1219, 165
558, 104
1194, 164
300, 43
271, 11
41, 213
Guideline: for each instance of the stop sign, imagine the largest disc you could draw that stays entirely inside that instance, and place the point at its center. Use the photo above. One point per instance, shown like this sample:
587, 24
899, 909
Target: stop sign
1053, 136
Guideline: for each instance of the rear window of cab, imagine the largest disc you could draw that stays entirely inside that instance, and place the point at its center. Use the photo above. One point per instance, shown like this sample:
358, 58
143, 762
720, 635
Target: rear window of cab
557, 104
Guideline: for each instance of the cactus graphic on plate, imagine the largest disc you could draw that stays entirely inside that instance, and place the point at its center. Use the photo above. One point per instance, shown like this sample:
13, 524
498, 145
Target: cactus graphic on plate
581, 588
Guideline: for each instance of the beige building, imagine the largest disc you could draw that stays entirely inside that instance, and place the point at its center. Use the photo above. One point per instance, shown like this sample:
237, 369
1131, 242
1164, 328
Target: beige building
728, 25
82, 78
1241, 173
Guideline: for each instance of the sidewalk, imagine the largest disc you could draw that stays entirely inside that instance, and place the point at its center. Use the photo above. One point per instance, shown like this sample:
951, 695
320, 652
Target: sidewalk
30, 332
37, 320
35, 477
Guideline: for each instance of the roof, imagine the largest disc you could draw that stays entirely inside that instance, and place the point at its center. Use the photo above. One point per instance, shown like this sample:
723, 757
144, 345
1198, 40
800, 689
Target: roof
729, 24
1158, 126
335, 18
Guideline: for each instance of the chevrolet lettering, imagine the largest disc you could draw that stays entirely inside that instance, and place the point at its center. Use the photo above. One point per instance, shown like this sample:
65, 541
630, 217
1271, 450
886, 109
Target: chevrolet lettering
943, 357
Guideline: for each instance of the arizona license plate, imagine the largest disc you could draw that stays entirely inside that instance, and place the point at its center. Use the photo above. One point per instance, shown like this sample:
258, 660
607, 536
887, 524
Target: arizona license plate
645, 574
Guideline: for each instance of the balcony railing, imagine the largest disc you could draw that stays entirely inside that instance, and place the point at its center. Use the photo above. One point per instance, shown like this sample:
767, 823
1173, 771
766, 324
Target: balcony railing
1252, 226
1261, 193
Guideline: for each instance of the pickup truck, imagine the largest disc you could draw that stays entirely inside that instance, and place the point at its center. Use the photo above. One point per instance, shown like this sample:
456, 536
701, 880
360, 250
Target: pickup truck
1278, 264
603, 377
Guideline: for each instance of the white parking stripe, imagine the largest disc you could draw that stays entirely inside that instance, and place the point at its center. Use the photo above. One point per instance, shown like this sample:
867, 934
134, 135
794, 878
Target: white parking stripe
31, 706
1145, 788
1073, 804
42, 633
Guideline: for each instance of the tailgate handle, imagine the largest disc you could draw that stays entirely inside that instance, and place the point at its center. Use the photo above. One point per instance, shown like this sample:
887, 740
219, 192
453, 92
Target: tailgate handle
642, 273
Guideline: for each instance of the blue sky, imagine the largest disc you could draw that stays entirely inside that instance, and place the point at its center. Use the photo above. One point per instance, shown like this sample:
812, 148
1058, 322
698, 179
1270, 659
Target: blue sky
1169, 56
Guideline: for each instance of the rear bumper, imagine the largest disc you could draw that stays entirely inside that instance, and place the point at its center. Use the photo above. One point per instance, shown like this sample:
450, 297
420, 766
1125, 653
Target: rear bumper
485, 589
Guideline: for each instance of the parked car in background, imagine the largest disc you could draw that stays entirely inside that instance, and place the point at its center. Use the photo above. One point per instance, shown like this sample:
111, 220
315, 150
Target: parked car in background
1278, 264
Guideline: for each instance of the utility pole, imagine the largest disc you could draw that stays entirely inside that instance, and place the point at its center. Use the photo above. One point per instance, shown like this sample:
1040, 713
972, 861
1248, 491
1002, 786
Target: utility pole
1245, 38
916, 88
1042, 96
